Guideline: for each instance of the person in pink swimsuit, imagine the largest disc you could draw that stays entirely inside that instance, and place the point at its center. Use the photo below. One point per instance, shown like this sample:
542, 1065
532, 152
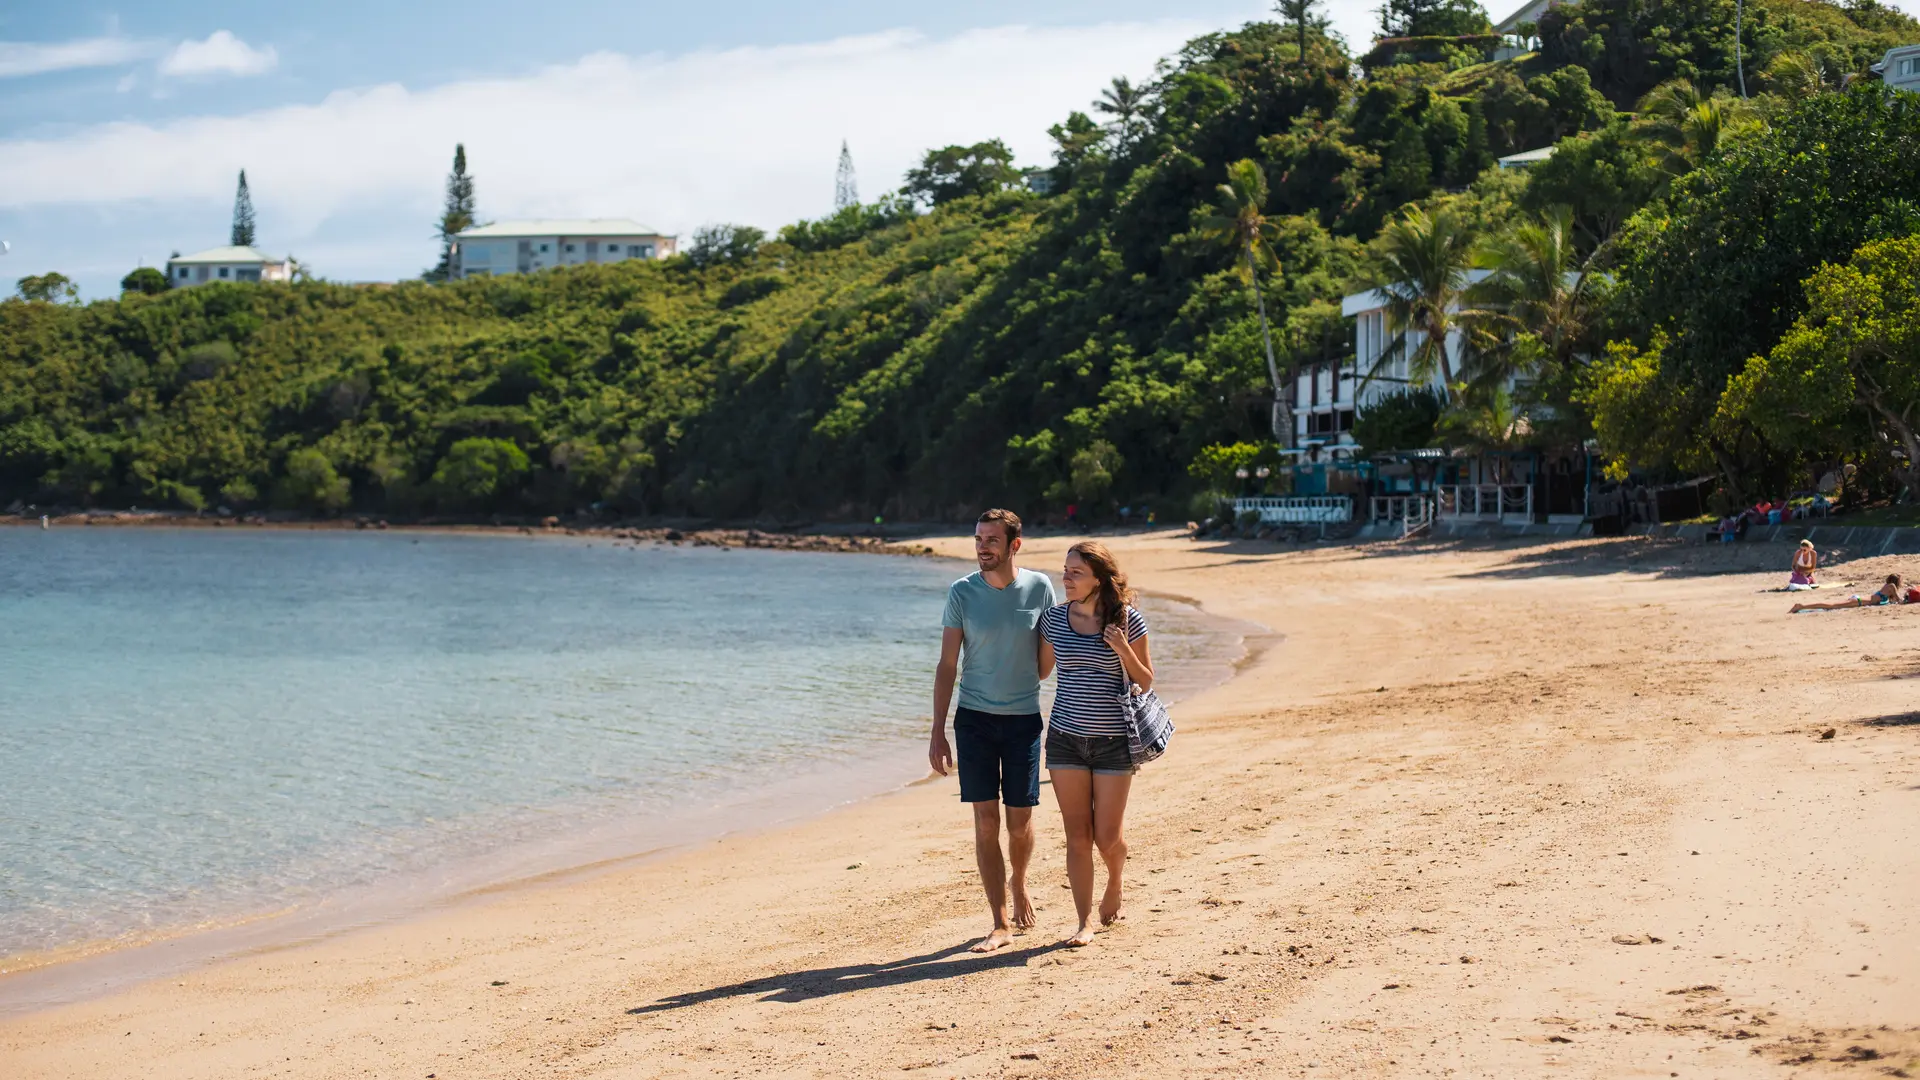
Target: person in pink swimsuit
1805, 561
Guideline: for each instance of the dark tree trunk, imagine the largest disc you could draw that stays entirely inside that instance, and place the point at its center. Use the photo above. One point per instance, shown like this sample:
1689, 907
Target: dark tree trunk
1898, 427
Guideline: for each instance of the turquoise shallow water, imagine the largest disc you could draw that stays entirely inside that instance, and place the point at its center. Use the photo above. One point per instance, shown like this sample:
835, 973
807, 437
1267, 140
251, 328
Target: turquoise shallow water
197, 724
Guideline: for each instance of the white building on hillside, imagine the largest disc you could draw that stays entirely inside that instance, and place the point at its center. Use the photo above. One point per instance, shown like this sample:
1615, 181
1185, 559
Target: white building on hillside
1527, 159
1509, 28
1528, 12
1900, 68
226, 264
1327, 397
520, 247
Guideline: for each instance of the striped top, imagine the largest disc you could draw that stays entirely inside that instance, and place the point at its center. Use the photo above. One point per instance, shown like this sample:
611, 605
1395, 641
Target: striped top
1086, 699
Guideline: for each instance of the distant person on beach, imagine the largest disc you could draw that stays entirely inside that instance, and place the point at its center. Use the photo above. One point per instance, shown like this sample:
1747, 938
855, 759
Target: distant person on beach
991, 637
1805, 561
1887, 593
1099, 642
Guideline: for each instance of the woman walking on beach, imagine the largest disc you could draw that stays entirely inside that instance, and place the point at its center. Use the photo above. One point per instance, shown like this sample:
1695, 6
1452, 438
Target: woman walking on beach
1097, 642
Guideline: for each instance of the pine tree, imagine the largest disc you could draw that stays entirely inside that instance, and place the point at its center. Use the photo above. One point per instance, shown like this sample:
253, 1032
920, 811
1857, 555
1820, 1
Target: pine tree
845, 192
456, 218
1304, 19
242, 214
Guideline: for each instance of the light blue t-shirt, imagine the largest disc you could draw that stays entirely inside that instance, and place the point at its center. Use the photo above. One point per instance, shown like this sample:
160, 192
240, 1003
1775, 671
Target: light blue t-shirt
1000, 655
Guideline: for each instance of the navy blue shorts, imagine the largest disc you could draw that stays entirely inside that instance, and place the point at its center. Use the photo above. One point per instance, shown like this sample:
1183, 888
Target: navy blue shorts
998, 757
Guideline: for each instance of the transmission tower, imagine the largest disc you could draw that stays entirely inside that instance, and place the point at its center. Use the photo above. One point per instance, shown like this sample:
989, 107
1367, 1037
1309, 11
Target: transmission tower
845, 192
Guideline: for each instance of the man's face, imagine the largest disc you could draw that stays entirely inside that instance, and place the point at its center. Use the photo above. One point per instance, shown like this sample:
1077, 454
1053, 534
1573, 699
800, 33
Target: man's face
990, 545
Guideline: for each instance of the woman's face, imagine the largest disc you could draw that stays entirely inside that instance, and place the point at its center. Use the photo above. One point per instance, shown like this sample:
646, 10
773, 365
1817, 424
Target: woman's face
1078, 578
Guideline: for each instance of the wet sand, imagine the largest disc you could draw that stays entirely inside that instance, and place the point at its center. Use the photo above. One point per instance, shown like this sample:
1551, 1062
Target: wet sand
1494, 811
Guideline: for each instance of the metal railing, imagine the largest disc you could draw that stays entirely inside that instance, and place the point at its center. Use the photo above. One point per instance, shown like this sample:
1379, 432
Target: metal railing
1413, 513
1298, 509
1485, 502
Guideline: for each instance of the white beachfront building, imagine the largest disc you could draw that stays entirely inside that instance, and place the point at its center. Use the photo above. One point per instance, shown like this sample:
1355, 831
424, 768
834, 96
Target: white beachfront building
1328, 396
1333, 479
1900, 68
226, 264
521, 247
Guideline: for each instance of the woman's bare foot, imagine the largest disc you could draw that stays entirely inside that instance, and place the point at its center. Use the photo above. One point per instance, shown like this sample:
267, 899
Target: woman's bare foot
1795, 610
999, 939
1111, 910
1022, 907
1083, 936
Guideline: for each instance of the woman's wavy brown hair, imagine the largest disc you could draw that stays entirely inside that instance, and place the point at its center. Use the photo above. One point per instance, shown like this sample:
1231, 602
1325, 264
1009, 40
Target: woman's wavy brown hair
1115, 593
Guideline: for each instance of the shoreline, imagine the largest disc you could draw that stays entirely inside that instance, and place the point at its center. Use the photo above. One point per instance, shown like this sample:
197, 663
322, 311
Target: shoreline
83, 970
87, 970
1561, 808
896, 542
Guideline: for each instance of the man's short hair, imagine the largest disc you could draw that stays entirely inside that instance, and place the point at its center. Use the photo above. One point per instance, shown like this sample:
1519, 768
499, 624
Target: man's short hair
1007, 520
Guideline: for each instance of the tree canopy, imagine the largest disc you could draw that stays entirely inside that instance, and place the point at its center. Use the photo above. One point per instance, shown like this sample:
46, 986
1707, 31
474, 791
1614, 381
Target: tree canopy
1715, 271
1845, 378
956, 172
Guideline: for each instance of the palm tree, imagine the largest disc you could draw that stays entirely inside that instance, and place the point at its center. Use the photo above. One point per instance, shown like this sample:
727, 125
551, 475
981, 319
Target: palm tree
1422, 264
1739, 63
1126, 103
1242, 223
1690, 124
1487, 421
1799, 75
1537, 283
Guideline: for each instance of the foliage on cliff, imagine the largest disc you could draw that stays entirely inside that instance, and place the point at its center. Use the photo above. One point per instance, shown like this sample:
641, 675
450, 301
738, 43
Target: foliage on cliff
1089, 344
1713, 276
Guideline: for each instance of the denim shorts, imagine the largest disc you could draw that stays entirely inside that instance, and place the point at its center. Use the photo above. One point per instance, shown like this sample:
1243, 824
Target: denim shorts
998, 757
1105, 754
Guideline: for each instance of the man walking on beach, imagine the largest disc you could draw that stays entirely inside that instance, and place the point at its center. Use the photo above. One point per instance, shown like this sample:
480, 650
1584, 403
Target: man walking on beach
992, 637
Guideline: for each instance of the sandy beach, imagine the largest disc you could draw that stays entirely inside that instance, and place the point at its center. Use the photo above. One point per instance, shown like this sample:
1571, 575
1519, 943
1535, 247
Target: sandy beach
1568, 809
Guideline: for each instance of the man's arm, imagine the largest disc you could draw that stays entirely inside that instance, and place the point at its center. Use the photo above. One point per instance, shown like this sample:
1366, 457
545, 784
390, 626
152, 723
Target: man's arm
939, 752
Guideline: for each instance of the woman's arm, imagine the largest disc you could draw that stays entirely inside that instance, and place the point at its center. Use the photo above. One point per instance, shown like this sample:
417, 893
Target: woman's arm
1135, 657
1046, 657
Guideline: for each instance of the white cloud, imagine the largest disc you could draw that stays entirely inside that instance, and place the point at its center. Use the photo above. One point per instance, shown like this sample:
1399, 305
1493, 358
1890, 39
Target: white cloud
18, 58
220, 54
748, 135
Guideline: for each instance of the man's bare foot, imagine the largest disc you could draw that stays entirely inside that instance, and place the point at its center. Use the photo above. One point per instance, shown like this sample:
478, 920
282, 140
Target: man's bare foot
1000, 938
1111, 910
1022, 908
1083, 936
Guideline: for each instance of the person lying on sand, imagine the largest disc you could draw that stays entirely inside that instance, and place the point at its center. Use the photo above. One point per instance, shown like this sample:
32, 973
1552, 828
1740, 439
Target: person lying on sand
1805, 561
1888, 593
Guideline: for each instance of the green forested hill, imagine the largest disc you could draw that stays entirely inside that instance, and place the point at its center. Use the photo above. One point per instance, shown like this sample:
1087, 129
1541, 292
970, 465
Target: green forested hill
1089, 344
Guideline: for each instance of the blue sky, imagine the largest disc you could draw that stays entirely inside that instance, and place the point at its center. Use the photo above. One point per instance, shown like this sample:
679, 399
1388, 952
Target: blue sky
122, 126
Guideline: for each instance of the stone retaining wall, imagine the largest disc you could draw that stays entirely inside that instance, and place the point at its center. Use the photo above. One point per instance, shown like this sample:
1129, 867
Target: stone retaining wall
1860, 541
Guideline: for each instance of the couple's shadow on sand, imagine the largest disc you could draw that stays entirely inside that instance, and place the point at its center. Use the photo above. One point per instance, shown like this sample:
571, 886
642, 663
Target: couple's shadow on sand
826, 981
